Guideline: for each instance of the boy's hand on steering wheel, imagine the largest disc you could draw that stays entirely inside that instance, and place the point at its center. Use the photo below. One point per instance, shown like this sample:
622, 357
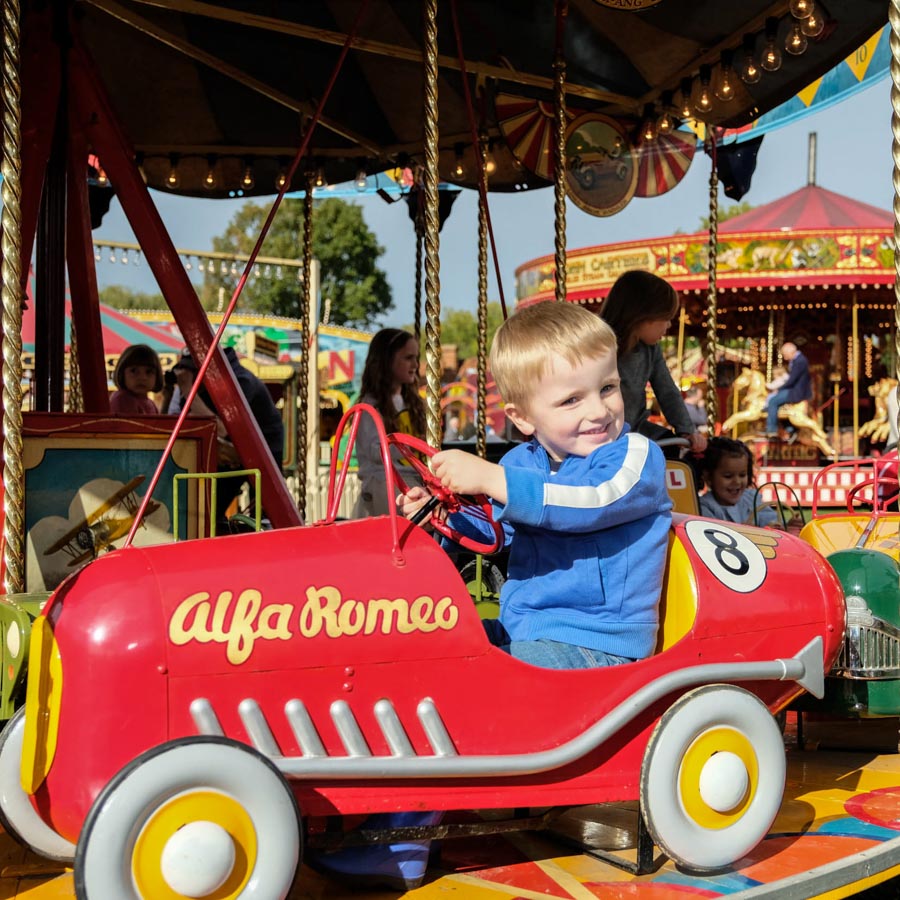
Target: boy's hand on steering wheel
410, 503
465, 473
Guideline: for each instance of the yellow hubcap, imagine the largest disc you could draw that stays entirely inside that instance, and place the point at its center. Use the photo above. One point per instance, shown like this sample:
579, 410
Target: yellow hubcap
698, 754
193, 806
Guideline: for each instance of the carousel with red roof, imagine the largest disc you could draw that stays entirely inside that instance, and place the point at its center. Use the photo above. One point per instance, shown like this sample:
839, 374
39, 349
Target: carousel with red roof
814, 267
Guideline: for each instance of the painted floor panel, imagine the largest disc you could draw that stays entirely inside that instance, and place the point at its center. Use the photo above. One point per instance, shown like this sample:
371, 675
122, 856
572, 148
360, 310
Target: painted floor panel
836, 804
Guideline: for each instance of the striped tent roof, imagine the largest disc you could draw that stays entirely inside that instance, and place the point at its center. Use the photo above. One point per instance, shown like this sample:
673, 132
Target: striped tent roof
119, 330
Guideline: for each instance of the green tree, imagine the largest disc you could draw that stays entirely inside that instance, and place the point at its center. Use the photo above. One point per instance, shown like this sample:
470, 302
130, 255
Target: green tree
120, 297
346, 249
460, 327
727, 212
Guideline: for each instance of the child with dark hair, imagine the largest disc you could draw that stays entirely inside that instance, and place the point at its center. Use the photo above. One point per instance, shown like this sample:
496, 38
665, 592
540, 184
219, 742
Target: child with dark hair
639, 308
138, 374
390, 383
727, 469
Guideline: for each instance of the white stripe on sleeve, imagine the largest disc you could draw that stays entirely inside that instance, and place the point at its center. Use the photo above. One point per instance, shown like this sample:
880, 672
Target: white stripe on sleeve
608, 492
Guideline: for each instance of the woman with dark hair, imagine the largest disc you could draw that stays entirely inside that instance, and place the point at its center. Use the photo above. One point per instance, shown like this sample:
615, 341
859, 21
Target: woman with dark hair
390, 383
138, 374
640, 307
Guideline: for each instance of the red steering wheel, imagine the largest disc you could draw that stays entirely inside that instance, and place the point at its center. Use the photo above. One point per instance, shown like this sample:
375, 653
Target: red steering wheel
477, 506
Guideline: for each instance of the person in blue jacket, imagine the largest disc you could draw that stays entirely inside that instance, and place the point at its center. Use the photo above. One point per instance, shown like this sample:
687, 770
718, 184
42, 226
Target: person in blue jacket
583, 503
586, 515
796, 389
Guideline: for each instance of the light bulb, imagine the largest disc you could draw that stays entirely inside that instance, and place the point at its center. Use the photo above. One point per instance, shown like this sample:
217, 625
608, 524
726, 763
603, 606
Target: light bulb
665, 124
247, 179
704, 99
209, 182
281, 177
686, 108
459, 170
320, 180
770, 59
172, 179
800, 9
814, 24
490, 164
725, 82
750, 72
704, 102
648, 130
795, 43
361, 181
102, 178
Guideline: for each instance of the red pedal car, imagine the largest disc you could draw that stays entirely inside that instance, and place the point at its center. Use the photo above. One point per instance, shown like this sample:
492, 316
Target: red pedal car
197, 700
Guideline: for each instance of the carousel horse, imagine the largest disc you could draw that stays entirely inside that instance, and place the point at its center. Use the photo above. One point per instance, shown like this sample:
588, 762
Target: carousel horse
878, 428
754, 410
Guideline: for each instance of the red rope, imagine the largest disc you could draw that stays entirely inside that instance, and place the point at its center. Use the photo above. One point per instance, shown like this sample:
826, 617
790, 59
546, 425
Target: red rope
201, 372
479, 162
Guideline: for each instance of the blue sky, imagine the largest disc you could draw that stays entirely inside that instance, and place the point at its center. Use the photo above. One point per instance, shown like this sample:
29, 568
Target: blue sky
853, 158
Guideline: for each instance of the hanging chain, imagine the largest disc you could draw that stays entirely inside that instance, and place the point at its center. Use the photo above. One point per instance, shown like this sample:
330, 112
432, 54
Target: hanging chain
559, 156
712, 412
434, 431
306, 331
481, 395
11, 221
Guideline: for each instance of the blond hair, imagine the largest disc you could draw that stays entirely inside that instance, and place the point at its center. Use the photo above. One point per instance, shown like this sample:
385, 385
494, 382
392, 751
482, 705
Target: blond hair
524, 345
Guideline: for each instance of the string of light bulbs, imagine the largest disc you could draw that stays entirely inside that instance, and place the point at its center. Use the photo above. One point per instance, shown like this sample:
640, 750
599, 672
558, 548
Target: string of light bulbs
698, 96
205, 261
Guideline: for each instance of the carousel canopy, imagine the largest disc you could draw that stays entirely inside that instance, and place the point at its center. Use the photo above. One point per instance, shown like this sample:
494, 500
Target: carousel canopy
227, 88
810, 255
810, 208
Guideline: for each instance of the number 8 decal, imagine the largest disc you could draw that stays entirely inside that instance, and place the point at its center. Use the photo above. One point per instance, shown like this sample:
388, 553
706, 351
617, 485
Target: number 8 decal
731, 556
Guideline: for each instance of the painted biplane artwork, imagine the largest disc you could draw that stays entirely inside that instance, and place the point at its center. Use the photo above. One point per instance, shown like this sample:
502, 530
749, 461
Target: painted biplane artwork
83, 493
71, 517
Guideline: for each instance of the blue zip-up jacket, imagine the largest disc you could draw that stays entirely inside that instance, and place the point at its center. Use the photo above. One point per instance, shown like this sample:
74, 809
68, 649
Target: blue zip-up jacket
587, 545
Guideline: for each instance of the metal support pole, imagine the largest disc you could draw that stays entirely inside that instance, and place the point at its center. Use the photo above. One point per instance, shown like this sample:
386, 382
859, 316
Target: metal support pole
481, 387
855, 376
712, 399
434, 431
13, 474
307, 365
894, 19
559, 144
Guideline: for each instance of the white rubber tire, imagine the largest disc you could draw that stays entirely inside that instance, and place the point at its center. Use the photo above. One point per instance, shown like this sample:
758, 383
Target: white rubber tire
17, 815
139, 819
688, 797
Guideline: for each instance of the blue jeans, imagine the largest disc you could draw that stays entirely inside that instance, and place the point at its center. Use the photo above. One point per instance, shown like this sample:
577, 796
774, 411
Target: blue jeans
775, 401
550, 654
